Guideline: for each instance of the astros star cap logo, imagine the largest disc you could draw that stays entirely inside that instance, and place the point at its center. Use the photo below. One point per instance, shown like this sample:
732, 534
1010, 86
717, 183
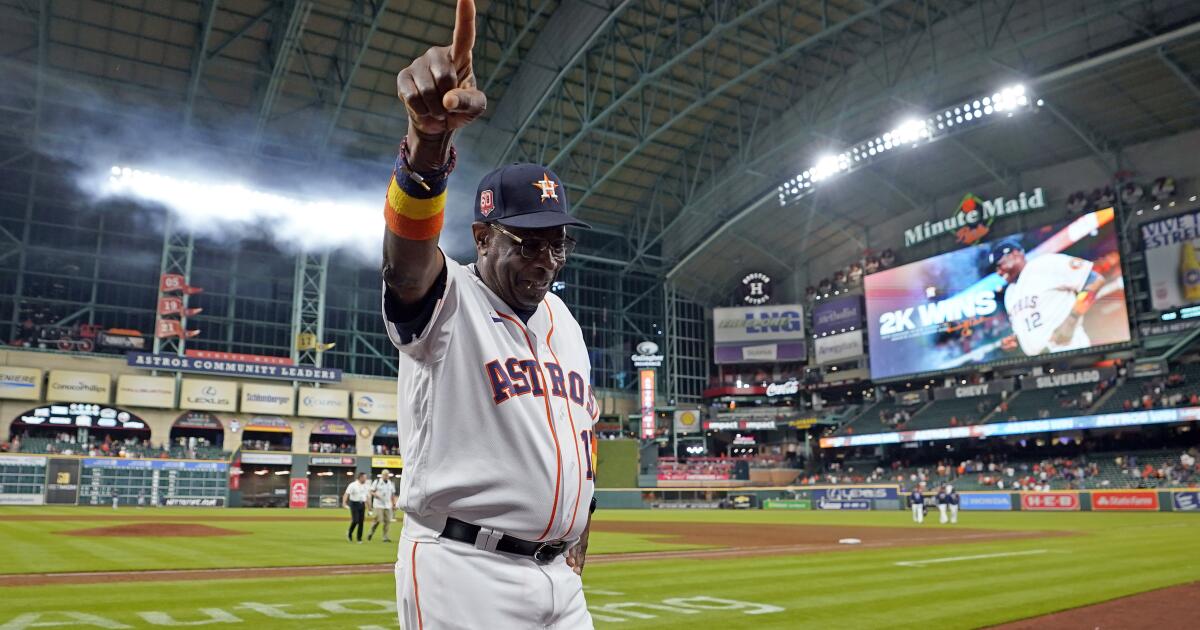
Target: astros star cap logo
548, 187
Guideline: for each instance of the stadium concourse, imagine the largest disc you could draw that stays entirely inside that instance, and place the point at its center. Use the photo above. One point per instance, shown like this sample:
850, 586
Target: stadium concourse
844, 257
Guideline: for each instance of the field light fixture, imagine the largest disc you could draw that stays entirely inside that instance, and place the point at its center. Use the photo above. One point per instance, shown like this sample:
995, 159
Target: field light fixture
910, 133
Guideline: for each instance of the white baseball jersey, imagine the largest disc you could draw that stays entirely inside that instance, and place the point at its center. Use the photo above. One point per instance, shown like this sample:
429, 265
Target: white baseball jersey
495, 415
1042, 298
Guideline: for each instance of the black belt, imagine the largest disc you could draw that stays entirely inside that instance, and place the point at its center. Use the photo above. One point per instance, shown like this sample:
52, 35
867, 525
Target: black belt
542, 552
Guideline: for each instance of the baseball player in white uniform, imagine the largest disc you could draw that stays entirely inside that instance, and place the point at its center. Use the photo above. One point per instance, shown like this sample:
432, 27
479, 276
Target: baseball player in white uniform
1046, 298
916, 501
943, 501
497, 408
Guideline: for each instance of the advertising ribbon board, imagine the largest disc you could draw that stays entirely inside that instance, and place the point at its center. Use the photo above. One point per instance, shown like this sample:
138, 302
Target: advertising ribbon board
1050, 501
1000, 501
852, 498
1186, 501
1141, 500
787, 504
387, 462
298, 494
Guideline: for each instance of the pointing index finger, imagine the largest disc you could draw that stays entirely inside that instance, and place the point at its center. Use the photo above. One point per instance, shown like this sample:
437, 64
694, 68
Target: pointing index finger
464, 33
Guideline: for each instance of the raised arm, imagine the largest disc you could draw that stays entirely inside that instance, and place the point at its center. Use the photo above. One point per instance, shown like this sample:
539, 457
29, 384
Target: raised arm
438, 91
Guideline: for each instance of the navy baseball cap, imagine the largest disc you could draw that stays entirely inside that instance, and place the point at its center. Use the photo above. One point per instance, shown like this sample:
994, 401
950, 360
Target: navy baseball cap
1002, 247
523, 196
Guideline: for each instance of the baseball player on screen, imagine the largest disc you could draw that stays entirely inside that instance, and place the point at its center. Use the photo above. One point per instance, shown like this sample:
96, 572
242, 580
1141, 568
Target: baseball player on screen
1046, 298
497, 410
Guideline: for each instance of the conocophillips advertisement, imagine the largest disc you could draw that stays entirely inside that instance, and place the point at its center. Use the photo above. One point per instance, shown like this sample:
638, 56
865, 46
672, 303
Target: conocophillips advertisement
1047, 290
759, 334
1172, 260
83, 387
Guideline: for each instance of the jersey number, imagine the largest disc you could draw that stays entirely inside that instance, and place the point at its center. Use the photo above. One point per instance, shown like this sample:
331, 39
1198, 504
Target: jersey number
1033, 321
586, 436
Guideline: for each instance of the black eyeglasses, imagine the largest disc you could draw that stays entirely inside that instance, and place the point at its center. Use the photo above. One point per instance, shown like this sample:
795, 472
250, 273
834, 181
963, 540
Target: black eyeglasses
532, 248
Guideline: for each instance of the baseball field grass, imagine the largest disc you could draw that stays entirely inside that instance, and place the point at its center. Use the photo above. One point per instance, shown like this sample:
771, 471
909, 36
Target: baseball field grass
1051, 562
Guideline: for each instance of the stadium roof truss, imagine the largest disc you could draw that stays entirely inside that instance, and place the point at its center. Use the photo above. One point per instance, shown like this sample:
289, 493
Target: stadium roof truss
670, 121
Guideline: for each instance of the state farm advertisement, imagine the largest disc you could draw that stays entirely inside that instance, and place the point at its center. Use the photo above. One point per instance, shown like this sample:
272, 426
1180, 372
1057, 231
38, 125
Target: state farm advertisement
1146, 500
1050, 501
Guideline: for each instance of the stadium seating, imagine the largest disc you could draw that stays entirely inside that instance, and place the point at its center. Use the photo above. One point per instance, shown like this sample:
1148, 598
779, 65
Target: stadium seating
1055, 402
1106, 473
871, 419
959, 412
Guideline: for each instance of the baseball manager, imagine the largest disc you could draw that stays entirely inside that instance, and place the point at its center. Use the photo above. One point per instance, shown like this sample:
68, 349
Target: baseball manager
497, 408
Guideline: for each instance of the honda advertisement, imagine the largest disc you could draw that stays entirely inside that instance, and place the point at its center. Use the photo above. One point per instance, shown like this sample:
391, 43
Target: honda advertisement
1047, 290
980, 501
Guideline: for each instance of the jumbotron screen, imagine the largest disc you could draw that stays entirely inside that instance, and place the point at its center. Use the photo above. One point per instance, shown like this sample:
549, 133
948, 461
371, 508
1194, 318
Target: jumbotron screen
1051, 289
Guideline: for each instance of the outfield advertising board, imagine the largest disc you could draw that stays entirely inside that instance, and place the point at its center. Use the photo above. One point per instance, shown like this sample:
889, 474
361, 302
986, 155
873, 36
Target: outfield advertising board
194, 501
787, 504
979, 501
852, 498
1142, 500
1186, 501
1050, 501
955, 310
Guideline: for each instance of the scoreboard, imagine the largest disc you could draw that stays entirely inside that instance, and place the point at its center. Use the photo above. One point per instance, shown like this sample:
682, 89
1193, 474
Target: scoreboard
91, 481
169, 482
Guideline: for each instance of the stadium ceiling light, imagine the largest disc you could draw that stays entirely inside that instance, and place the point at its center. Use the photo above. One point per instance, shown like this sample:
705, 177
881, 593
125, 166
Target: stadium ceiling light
208, 201
1008, 100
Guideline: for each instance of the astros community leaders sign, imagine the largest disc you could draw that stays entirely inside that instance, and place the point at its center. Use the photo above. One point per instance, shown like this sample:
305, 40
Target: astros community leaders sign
233, 368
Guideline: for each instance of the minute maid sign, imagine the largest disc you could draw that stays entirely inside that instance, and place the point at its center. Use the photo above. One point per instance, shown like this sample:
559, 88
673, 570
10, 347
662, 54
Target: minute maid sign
973, 218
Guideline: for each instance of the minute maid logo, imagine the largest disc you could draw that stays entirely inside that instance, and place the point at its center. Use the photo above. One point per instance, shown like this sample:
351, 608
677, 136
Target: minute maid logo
973, 218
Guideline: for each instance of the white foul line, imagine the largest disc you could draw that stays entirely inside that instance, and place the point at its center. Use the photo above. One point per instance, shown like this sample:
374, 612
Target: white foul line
918, 563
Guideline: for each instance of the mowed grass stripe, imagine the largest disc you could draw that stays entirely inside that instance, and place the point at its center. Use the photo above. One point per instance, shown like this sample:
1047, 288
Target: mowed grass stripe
1111, 555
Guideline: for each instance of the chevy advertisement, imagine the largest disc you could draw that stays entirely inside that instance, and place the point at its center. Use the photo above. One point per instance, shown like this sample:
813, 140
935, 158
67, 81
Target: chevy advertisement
1051, 289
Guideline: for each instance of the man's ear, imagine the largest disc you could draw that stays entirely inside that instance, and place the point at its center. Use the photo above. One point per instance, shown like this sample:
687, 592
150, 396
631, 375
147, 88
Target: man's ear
481, 235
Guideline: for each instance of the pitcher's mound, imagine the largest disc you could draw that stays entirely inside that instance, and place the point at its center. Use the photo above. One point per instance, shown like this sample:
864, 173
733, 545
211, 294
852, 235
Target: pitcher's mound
154, 530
